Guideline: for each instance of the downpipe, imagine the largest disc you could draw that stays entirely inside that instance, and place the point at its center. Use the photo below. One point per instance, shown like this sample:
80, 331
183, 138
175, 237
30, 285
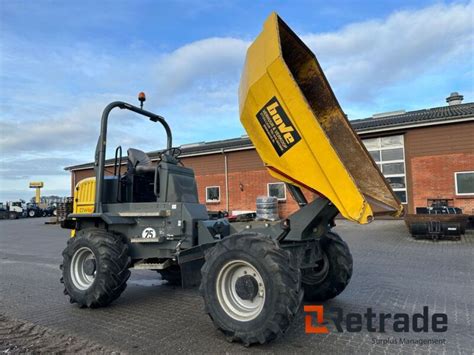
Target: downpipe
226, 178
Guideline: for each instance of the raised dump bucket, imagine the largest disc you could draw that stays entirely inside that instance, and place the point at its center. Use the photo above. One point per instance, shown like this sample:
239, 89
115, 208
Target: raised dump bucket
300, 131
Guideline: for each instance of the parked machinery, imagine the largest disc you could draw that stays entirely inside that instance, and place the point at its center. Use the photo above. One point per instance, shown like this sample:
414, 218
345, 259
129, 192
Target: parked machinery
6, 213
33, 210
252, 281
437, 222
63, 209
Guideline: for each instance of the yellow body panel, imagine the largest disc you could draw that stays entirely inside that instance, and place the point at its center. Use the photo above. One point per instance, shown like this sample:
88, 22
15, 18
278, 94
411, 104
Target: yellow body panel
84, 198
299, 130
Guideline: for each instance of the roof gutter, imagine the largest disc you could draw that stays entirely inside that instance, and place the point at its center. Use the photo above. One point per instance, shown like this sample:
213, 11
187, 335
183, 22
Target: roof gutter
219, 151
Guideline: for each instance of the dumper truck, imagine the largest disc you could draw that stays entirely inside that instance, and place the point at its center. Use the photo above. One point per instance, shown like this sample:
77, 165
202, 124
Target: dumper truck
253, 280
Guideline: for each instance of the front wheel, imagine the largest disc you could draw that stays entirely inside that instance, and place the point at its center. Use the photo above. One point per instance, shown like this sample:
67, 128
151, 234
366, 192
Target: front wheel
95, 268
333, 273
31, 213
251, 288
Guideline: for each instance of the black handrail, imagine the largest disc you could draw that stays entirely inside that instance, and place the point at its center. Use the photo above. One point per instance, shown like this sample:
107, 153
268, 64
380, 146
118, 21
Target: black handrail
118, 150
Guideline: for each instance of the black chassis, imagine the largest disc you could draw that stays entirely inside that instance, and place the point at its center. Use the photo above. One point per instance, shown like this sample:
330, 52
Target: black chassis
183, 230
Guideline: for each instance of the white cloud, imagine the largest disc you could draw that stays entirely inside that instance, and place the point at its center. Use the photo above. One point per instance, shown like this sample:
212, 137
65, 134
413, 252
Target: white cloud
210, 60
195, 80
30, 168
66, 131
363, 58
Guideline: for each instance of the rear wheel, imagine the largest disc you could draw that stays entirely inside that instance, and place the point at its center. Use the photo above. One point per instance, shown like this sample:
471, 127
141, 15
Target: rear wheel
251, 288
333, 274
95, 268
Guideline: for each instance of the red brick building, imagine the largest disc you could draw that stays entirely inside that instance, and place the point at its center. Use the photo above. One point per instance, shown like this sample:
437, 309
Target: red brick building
426, 155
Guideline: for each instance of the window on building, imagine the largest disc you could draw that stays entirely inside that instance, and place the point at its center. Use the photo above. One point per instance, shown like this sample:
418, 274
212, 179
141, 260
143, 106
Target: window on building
389, 154
375, 155
402, 196
278, 190
396, 182
464, 182
213, 193
393, 168
392, 154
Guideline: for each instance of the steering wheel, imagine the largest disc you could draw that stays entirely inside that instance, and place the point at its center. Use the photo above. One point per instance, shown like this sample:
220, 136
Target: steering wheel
174, 152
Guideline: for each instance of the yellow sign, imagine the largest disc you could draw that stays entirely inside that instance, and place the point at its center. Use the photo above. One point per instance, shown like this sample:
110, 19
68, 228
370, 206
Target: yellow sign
36, 184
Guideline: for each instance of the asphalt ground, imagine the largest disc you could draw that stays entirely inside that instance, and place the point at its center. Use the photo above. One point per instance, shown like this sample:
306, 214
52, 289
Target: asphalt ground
392, 274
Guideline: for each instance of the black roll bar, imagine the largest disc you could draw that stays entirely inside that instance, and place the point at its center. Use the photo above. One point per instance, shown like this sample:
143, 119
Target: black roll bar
102, 144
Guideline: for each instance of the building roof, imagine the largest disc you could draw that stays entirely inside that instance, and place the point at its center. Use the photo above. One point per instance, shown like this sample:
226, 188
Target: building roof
415, 118
377, 123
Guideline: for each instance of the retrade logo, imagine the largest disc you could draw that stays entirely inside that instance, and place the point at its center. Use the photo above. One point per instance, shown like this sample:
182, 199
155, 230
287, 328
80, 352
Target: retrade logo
371, 321
309, 327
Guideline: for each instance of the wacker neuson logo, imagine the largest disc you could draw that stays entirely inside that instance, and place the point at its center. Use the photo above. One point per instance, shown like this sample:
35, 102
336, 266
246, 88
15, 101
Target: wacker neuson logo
373, 322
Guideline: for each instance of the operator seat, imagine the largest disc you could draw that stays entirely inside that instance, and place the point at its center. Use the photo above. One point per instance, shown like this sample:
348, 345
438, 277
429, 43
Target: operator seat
141, 177
138, 160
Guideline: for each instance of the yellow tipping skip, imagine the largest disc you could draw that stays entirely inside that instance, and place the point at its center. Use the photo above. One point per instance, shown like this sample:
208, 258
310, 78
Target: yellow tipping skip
300, 131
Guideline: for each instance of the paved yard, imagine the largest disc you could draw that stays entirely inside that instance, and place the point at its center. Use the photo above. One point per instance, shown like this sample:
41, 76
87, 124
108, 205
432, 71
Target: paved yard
392, 274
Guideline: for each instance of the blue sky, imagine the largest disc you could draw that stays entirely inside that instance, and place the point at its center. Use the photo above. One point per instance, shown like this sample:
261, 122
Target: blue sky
62, 62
